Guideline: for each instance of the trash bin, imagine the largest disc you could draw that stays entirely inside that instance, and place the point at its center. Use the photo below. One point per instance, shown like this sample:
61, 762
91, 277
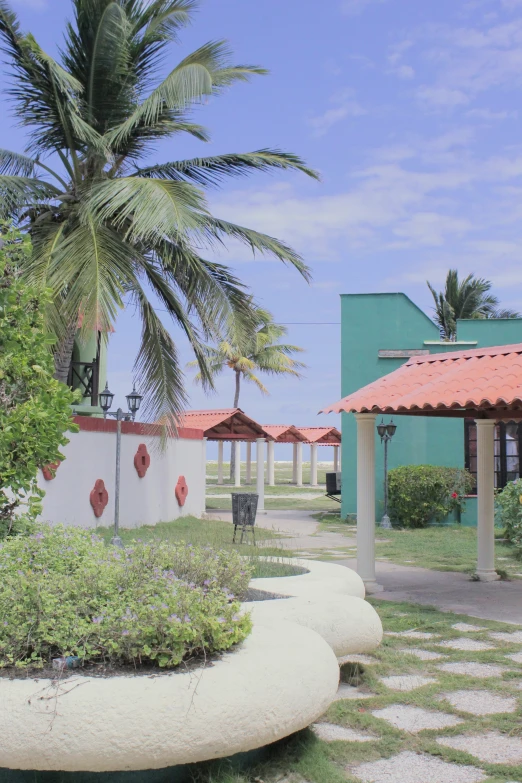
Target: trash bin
244, 510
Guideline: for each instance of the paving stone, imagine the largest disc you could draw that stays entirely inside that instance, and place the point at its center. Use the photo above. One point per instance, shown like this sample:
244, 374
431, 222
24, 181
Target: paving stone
406, 682
511, 638
331, 732
467, 628
356, 658
415, 719
424, 655
466, 644
517, 657
473, 669
480, 702
411, 634
491, 748
409, 767
346, 691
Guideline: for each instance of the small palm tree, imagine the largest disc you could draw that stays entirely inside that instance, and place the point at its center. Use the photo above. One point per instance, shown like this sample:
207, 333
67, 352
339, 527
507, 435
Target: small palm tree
108, 229
469, 298
249, 353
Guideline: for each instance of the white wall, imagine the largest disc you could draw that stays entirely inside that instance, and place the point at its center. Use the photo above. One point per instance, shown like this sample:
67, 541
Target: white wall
91, 455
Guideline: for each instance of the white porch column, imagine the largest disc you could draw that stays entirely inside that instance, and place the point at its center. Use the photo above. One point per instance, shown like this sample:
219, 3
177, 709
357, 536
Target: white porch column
299, 465
237, 466
294, 464
313, 465
248, 463
366, 500
204, 459
486, 500
336, 459
270, 464
260, 478
220, 462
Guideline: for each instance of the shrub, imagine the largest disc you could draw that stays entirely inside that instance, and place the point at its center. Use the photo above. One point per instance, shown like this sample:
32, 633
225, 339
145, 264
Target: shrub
65, 593
508, 512
34, 408
419, 494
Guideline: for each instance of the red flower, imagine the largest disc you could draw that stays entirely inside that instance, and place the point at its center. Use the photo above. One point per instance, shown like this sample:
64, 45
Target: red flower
454, 495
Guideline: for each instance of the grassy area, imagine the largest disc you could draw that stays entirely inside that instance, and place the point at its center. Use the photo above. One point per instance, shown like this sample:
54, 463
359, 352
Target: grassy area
283, 472
275, 504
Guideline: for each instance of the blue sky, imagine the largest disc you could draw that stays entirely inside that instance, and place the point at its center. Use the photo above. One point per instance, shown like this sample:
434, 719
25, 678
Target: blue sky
410, 111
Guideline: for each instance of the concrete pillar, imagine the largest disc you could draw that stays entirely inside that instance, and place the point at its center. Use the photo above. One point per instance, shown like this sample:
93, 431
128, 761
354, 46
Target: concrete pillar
313, 465
294, 464
248, 462
366, 500
220, 462
336, 459
260, 478
237, 467
204, 456
486, 500
299, 465
270, 463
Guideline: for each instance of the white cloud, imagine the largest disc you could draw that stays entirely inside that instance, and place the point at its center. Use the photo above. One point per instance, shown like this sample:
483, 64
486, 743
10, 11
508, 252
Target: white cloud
488, 115
354, 7
429, 228
441, 97
35, 4
347, 107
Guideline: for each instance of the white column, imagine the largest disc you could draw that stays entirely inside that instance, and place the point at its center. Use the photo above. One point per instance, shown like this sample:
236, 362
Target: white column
237, 467
299, 465
486, 500
260, 478
313, 465
204, 456
220, 462
294, 464
248, 462
270, 464
366, 500
336, 459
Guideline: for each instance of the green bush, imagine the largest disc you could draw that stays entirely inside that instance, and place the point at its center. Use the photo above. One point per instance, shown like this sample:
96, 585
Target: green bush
508, 513
35, 408
65, 593
419, 494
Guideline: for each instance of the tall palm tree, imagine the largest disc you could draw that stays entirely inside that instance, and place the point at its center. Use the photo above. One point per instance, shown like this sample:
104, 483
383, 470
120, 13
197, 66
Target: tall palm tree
468, 298
108, 230
247, 353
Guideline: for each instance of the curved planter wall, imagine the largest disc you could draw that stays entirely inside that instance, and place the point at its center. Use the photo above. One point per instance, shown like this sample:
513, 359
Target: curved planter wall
281, 679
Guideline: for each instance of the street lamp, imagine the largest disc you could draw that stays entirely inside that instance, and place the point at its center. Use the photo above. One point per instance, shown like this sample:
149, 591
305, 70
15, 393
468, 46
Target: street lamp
133, 401
386, 433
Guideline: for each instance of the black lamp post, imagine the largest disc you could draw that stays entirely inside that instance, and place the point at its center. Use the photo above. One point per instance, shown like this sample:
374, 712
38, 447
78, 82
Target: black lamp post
134, 399
386, 433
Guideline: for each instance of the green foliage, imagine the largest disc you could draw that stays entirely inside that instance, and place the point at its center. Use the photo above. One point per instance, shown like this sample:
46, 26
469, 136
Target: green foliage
65, 593
508, 513
419, 494
34, 408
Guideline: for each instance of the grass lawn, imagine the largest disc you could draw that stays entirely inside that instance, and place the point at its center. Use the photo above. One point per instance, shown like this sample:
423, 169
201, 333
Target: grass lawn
274, 504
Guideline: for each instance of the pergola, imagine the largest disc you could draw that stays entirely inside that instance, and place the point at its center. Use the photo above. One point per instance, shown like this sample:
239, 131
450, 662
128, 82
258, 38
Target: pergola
321, 436
285, 433
483, 384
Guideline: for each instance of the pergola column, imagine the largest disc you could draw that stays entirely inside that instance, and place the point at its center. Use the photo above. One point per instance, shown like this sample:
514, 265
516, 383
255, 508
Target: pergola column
336, 459
298, 464
220, 461
237, 466
486, 500
366, 500
294, 464
248, 462
313, 465
270, 464
204, 459
260, 477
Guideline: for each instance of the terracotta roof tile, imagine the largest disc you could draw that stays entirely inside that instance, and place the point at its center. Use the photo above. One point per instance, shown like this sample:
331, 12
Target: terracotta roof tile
323, 436
284, 433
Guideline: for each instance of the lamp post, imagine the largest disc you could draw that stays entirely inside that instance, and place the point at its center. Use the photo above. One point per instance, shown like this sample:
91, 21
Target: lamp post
386, 433
133, 401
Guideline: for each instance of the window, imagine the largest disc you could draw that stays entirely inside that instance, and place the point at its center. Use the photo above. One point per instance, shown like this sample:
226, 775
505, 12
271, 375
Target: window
508, 447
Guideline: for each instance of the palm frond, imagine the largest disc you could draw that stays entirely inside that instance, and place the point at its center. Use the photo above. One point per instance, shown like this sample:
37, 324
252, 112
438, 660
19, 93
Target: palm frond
17, 193
14, 164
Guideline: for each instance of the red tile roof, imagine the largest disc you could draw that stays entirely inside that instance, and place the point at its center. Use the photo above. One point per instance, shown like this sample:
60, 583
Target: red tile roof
284, 433
462, 381
323, 436
224, 424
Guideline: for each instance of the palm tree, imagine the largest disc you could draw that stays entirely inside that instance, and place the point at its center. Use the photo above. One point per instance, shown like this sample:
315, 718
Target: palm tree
108, 230
469, 298
247, 353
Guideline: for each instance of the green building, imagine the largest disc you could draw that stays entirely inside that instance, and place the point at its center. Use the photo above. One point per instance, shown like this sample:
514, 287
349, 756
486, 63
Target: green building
379, 333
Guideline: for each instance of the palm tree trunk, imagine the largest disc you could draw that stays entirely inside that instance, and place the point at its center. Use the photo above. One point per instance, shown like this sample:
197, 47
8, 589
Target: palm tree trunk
63, 355
232, 448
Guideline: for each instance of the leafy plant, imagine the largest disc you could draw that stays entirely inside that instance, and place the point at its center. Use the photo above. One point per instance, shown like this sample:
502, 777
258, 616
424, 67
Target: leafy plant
508, 512
65, 593
108, 228
420, 494
35, 409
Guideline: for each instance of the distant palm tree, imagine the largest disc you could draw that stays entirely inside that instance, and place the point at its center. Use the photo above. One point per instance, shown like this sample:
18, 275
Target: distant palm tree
469, 298
249, 353
108, 229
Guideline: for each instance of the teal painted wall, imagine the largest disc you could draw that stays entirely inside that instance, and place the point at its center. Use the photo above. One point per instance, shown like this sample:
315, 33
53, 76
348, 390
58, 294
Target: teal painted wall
376, 322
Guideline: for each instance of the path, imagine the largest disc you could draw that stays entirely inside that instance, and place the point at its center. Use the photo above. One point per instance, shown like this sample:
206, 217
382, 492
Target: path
448, 590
